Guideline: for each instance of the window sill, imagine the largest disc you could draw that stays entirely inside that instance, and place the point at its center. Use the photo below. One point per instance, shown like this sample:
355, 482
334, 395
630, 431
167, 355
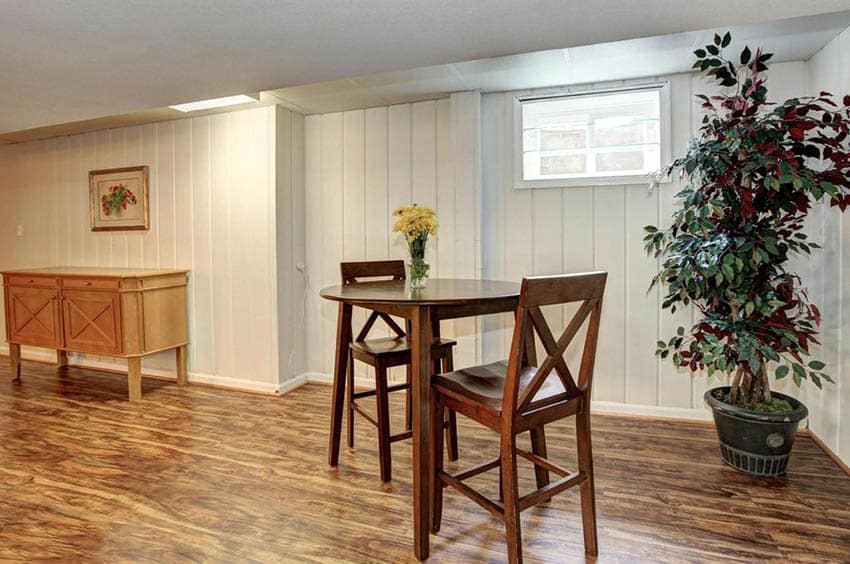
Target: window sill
642, 180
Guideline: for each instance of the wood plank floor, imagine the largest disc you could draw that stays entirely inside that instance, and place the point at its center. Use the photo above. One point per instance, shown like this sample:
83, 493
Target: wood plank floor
195, 474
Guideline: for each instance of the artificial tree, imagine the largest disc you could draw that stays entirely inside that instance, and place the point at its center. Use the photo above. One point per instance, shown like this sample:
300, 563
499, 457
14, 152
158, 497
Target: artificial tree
753, 174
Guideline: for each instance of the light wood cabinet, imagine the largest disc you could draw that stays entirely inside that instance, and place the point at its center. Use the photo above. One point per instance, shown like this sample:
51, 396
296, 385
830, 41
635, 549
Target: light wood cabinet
125, 313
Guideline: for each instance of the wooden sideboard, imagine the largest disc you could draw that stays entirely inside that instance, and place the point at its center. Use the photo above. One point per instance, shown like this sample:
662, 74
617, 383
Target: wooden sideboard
125, 313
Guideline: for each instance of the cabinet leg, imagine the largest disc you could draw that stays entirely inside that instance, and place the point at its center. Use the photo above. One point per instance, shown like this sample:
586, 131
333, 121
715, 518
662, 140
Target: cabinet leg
134, 378
182, 366
61, 359
15, 358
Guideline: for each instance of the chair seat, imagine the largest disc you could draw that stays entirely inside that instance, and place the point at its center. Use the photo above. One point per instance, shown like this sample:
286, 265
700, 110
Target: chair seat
485, 384
391, 346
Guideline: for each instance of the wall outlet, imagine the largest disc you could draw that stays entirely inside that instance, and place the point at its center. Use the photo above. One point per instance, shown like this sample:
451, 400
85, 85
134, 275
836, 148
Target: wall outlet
19, 232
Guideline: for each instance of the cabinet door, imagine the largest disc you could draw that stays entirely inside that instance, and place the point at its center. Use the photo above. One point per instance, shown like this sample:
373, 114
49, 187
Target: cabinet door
33, 316
92, 321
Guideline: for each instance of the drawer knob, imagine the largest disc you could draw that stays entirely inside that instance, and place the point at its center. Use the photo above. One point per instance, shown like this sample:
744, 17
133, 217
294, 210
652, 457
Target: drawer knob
30, 281
87, 284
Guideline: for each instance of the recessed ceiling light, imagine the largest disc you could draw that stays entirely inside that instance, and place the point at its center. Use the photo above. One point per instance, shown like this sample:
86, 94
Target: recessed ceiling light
216, 103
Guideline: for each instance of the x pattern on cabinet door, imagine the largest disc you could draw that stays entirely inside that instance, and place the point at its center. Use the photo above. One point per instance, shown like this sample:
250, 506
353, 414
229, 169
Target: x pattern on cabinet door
33, 315
91, 322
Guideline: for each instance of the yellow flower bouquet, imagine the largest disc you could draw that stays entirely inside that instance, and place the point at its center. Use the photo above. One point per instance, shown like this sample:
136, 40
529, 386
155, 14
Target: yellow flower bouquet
416, 223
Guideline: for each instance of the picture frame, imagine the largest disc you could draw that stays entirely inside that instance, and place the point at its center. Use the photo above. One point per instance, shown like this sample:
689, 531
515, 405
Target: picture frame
118, 199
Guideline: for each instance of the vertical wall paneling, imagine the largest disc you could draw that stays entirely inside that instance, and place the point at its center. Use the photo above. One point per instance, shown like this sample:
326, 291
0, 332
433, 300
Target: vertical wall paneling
133, 157
466, 160
375, 187
353, 200
313, 225
332, 218
829, 271
202, 251
398, 171
493, 137
423, 150
299, 289
213, 211
674, 384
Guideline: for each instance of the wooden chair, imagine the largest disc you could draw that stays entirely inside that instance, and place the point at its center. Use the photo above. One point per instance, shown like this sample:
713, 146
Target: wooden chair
382, 354
519, 395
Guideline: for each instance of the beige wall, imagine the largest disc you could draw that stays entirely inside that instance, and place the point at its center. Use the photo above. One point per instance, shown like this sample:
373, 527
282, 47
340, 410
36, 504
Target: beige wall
829, 273
213, 211
360, 166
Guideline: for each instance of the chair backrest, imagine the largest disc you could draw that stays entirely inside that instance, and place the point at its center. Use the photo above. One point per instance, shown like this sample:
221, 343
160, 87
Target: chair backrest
364, 272
538, 291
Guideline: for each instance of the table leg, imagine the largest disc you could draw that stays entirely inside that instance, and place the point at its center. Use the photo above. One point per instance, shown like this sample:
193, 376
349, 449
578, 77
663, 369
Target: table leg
422, 464
182, 365
134, 378
61, 359
15, 359
343, 341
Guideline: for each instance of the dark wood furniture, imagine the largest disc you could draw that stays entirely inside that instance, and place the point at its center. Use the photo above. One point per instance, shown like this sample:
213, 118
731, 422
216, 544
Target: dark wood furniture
521, 395
119, 312
385, 353
424, 309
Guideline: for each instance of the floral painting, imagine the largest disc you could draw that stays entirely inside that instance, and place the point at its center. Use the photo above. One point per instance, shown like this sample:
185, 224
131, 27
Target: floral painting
119, 199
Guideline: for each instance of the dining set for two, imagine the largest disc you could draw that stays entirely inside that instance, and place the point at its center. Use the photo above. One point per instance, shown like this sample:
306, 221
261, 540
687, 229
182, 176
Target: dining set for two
512, 397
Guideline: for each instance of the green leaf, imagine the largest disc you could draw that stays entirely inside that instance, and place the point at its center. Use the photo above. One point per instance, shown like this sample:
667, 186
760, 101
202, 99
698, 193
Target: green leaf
714, 51
745, 55
700, 53
817, 365
727, 39
781, 371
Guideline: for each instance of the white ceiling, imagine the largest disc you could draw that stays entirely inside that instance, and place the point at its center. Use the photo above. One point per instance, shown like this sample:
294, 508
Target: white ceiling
789, 40
69, 60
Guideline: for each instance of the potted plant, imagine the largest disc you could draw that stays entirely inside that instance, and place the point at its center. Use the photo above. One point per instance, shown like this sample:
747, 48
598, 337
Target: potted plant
753, 174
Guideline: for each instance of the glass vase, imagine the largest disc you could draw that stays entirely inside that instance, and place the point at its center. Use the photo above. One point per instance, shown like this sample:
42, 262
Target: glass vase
418, 272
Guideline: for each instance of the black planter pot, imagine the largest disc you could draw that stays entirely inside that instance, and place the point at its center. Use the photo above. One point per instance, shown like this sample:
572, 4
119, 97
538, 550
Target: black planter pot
753, 442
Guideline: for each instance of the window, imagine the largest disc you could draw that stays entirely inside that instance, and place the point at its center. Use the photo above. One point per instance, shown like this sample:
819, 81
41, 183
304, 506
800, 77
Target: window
602, 137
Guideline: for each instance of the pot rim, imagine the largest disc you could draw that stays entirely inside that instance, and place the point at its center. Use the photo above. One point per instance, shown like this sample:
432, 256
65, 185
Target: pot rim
799, 412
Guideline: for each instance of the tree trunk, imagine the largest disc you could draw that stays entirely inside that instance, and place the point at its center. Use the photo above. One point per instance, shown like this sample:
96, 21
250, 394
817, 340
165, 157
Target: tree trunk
750, 388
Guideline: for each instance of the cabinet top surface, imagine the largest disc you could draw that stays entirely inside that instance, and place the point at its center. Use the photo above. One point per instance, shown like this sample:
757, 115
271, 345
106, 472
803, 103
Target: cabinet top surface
95, 271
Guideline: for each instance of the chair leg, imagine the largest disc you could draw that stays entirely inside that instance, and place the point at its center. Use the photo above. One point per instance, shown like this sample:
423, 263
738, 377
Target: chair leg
451, 430
588, 495
436, 421
538, 447
382, 401
350, 400
510, 488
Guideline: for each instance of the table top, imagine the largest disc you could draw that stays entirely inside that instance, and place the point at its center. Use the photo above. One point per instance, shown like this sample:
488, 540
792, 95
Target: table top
95, 271
438, 291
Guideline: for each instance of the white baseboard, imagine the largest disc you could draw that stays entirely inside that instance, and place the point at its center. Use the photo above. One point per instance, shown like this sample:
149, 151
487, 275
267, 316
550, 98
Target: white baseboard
608, 407
292, 384
47, 355
659, 411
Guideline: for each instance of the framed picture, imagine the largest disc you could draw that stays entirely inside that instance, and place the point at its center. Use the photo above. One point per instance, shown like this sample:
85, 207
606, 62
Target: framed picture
119, 199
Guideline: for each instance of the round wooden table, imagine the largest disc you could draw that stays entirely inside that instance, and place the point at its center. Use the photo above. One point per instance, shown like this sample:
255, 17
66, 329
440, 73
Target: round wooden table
442, 298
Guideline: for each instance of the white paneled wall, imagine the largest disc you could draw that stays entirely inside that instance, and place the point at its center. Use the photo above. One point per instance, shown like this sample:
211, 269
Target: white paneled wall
457, 154
829, 274
360, 166
213, 211
546, 231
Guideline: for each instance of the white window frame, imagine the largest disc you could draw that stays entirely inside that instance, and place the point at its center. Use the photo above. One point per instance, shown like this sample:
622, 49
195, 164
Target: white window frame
521, 183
